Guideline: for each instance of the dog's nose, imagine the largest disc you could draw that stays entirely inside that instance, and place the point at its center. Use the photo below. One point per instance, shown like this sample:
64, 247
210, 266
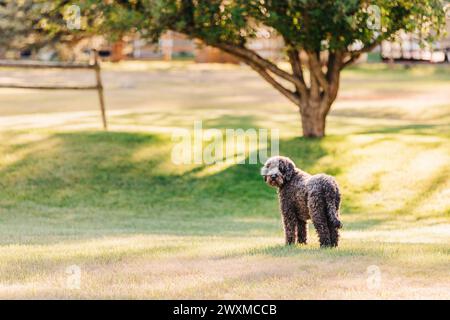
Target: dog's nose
274, 176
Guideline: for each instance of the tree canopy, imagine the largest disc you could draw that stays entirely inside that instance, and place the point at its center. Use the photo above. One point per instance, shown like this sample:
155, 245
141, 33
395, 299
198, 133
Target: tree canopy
331, 34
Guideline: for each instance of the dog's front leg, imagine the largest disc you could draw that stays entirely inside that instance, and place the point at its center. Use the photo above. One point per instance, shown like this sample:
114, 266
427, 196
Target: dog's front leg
302, 231
289, 230
289, 221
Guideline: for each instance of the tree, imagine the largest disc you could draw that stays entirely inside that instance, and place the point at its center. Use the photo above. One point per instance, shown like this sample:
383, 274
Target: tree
331, 34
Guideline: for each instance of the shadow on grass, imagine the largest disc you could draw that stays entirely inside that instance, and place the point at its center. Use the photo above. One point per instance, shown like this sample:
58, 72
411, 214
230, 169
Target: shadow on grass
97, 183
126, 181
105, 171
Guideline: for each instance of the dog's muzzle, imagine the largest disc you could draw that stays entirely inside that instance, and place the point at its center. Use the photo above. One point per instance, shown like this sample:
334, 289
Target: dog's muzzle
271, 174
272, 177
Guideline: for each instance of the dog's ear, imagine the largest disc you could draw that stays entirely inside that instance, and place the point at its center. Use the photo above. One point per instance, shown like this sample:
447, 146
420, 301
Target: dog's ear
287, 168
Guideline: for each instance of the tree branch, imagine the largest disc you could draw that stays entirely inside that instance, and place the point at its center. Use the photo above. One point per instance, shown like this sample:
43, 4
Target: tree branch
333, 72
294, 59
314, 87
286, 92
316, 69
249, 55
354, 55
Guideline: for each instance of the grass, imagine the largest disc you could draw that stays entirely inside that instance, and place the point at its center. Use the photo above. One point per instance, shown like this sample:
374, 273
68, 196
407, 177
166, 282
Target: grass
139, 226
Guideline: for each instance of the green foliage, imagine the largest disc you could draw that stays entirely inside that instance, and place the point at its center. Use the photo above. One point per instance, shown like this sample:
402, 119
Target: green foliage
307, 24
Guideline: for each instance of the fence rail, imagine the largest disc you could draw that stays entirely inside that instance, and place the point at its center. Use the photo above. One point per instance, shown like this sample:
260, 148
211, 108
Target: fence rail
49, 87
94, 65
43, 65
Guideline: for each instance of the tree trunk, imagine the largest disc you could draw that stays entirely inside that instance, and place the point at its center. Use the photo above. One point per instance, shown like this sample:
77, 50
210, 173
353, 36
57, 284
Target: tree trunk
313, 120
314, 101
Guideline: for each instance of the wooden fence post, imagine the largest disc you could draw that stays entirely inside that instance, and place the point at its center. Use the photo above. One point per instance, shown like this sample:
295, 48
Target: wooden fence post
93, 64
100, 88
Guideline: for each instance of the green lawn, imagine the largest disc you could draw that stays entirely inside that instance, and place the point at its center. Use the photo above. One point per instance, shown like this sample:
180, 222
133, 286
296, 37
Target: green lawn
139, 226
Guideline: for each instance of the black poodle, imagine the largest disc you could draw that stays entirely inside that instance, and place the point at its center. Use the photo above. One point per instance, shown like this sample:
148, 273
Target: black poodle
303, 196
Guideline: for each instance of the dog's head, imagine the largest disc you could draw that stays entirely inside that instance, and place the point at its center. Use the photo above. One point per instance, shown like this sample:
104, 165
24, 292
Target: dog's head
277, 171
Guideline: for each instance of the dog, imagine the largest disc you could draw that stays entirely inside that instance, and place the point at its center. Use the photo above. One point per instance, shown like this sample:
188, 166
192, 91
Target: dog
303, 196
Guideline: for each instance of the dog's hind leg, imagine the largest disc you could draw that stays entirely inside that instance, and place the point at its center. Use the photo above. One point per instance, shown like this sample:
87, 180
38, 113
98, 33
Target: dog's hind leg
332, 199
334, 235
317, 210
334, 223
322, 230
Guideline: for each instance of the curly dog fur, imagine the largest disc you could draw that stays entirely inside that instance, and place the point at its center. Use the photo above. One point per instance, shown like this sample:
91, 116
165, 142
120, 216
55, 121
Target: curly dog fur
303, 196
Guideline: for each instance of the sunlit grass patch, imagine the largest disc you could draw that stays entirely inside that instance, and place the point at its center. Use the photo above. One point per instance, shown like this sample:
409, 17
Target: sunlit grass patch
222, 267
